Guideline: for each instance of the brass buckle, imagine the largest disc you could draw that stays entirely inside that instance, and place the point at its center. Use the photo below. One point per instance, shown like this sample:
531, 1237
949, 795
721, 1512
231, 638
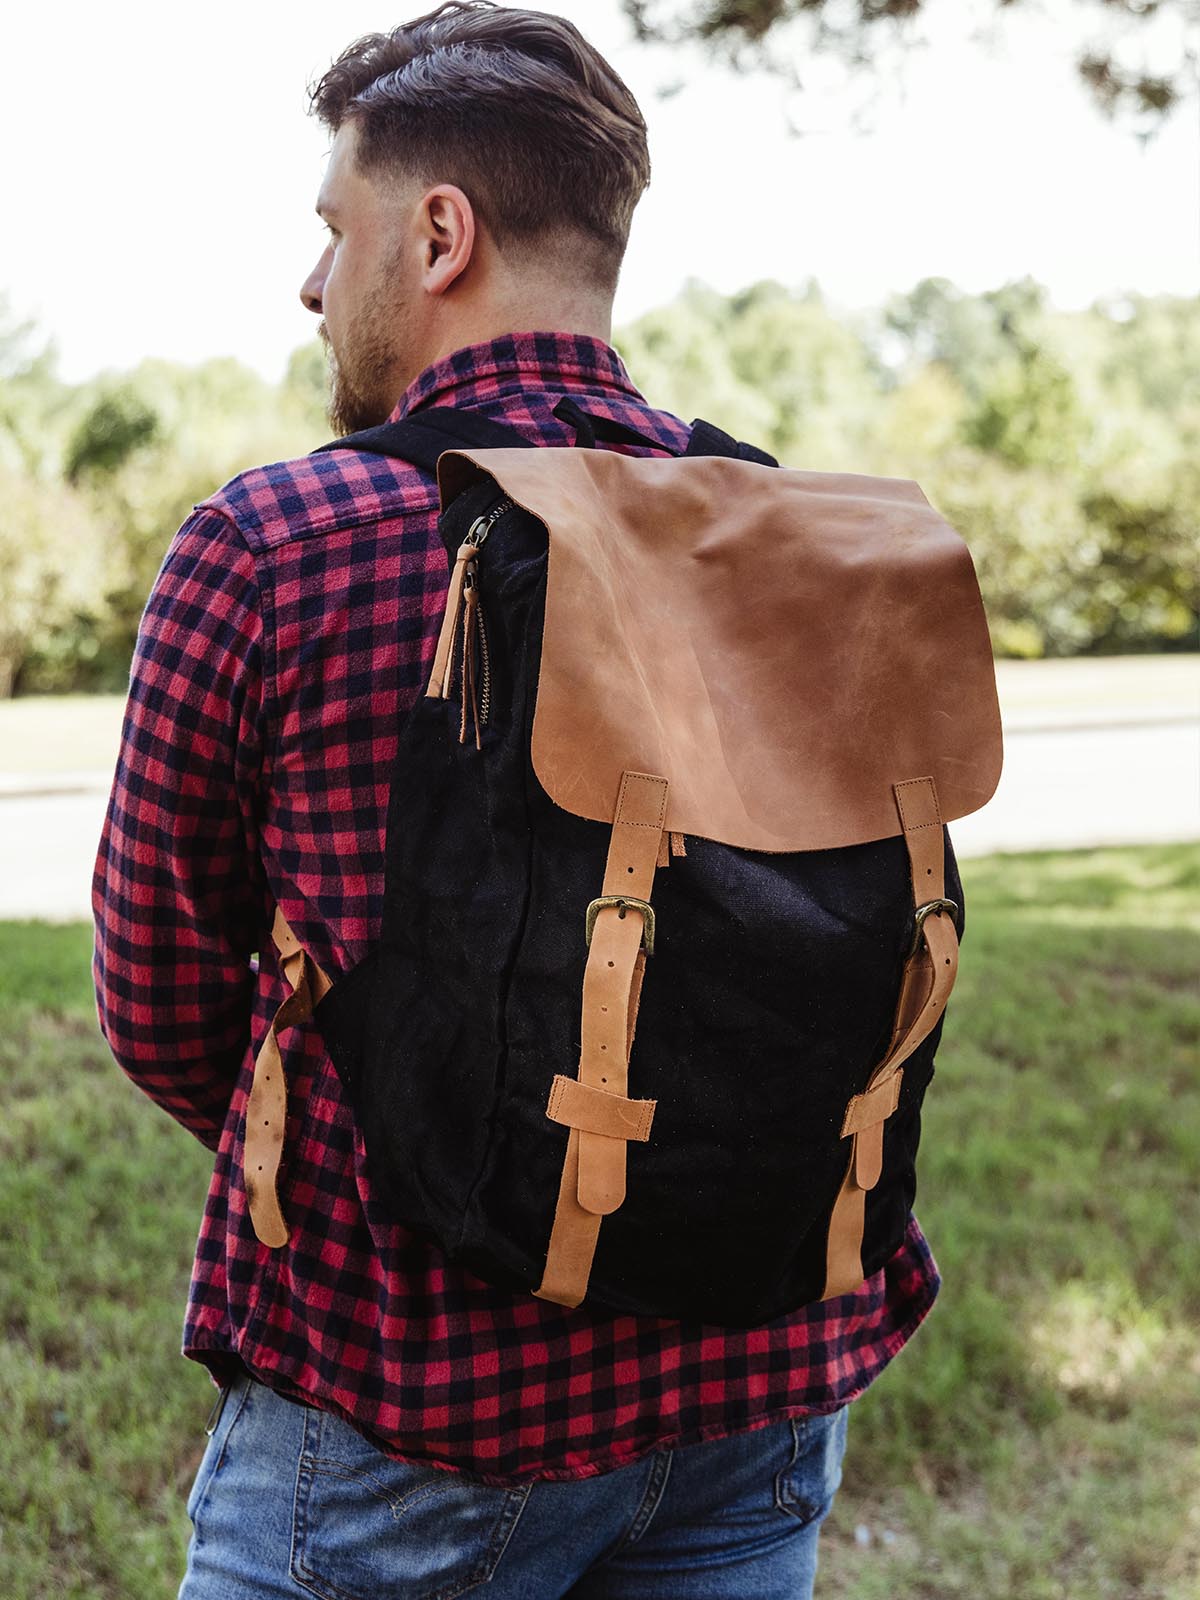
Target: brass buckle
922, 913
624, 901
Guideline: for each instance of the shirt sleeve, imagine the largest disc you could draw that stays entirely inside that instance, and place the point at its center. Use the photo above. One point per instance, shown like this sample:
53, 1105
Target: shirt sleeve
178, 894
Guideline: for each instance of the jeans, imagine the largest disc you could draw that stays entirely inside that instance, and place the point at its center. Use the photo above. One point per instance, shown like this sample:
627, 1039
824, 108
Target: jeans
292, 1501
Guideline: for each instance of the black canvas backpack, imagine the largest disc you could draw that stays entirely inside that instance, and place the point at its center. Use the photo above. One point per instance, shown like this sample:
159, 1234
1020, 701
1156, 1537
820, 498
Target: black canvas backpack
671, 914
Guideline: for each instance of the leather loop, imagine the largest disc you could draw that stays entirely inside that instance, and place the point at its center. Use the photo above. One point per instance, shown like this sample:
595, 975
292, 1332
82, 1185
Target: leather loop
266, 1107
596, 1111
873, 1105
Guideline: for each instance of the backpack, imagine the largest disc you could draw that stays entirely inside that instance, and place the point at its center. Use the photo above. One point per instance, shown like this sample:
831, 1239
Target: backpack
671, 914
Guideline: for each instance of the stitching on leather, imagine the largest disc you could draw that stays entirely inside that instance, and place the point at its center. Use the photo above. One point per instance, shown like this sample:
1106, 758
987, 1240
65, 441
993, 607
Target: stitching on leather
556, 1093
913, 783
641, 777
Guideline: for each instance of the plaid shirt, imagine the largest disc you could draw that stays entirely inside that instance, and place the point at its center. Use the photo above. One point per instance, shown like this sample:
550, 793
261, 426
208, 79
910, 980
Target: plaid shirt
291, 626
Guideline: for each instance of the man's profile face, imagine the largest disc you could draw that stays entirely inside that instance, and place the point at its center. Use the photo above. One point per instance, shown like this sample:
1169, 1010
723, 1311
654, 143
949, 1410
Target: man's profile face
358, 288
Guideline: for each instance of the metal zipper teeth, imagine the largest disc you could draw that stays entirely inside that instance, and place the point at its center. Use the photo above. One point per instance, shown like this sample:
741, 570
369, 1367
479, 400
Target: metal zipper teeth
485, 688
476, 535
482, 526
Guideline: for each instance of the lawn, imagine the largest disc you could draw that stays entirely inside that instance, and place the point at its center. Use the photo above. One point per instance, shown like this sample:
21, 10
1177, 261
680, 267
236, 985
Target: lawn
1040, 1438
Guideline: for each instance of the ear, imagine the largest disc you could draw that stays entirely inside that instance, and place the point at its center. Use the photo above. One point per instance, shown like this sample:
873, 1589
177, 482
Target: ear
446, 224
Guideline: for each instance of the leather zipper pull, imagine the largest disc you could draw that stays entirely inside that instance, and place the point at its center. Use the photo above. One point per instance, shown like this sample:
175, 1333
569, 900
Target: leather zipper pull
443, 661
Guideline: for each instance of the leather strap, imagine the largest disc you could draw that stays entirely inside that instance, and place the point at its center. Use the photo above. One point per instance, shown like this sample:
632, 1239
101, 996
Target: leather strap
578, 1105
925, 985
266, 1109
423, 436
443, 660
593, 1176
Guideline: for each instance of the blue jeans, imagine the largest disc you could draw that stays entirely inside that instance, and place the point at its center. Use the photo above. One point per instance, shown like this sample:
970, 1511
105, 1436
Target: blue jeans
291, 1501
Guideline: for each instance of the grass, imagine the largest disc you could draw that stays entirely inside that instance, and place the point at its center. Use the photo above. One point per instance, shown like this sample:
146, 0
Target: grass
1040, 1438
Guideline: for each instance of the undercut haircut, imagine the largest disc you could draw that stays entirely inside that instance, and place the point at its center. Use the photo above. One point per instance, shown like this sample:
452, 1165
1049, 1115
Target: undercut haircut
514, 107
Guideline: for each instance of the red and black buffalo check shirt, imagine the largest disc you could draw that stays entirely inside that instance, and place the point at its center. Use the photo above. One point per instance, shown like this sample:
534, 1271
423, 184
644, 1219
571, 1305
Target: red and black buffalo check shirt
290, 628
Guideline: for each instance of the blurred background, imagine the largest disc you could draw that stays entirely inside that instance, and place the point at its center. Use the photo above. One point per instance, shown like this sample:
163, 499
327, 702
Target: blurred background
949, 240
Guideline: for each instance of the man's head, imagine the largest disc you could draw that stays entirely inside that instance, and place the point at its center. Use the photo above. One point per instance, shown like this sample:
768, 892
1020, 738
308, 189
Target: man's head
485, 167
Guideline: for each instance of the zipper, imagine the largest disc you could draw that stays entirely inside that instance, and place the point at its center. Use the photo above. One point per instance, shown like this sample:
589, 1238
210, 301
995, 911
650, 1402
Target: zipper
482, 526
485, 679
477, 535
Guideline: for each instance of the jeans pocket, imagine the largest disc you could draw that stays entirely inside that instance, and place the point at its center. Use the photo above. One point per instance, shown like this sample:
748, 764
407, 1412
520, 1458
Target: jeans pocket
806, 1485
368, 1527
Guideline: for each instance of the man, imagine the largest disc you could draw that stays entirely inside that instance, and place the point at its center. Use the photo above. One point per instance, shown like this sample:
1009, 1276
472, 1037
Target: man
388, 1424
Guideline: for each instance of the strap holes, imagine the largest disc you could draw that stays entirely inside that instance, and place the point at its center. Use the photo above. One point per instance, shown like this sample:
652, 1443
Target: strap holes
628, 869
603, 1080
604, 1008
260, 1169
266, 1122
604, 1047
947, 960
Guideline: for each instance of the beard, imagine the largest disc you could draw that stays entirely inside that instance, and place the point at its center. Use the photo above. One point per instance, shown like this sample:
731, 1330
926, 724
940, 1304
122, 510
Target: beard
362, 378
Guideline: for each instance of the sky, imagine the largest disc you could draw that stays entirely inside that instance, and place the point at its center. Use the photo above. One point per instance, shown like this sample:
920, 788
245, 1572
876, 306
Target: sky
156, 198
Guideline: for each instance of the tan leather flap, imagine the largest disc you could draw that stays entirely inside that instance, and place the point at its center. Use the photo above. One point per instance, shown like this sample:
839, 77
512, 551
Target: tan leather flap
782, 645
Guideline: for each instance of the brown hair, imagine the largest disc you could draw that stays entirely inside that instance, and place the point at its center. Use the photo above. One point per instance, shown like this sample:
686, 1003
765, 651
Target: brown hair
513, 106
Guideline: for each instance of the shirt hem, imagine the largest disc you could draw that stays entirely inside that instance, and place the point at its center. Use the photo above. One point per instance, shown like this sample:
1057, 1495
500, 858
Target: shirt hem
218, 1358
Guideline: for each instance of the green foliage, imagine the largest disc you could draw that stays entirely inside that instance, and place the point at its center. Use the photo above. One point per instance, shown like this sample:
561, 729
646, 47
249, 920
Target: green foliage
1037, 1438
100, 1195
113, 428
1037, 1432
1071, 476
763, 35
99, 477
50, 569
31, 397
1063, 446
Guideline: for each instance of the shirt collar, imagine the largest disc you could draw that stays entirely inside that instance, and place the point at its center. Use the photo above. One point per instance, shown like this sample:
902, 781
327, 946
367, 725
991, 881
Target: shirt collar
514, 362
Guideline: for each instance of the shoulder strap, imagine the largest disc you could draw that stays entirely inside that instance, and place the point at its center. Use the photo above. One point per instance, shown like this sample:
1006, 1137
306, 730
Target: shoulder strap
708, 440
421, 438
589, 428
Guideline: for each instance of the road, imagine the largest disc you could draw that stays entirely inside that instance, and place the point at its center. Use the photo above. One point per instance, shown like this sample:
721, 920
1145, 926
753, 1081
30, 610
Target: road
1066, 785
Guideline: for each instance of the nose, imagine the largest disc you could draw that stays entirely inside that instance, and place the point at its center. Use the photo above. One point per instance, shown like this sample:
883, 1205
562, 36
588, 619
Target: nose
312, 290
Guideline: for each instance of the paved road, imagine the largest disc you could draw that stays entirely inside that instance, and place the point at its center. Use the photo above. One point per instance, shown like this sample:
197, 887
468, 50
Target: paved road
1063, 787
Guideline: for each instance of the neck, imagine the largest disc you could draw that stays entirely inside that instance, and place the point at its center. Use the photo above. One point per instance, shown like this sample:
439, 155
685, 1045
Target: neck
552, 308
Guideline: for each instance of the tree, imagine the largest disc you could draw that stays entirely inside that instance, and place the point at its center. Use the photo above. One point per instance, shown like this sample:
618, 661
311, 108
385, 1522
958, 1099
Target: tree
1061, 445
747, 33
51, 566
113, 428
31, 396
